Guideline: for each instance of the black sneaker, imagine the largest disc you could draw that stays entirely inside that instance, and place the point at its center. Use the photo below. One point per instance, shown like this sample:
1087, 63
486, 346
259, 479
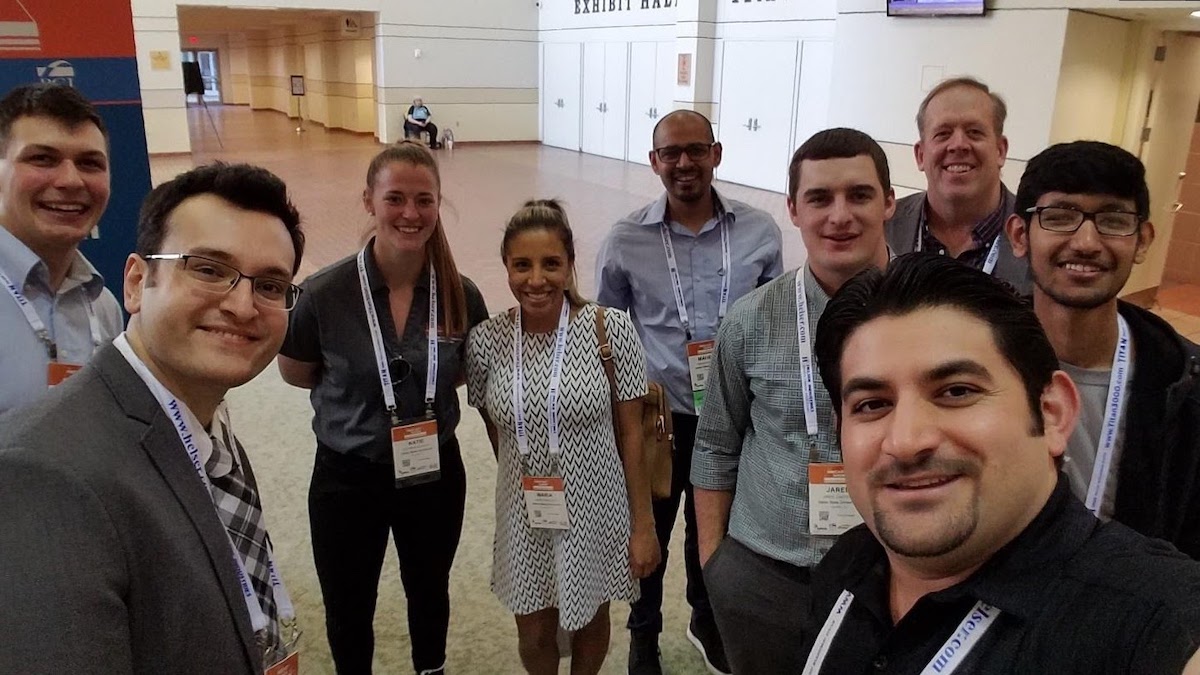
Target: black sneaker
707, 641
643, 654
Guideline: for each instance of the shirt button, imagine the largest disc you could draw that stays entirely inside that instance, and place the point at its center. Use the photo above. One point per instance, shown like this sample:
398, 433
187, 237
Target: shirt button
880, 663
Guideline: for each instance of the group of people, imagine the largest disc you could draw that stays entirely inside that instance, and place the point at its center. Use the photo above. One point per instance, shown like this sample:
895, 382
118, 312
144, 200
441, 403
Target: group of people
888, 459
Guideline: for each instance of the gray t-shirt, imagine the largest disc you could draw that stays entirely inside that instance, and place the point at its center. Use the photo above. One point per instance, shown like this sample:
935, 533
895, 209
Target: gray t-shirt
1085, 441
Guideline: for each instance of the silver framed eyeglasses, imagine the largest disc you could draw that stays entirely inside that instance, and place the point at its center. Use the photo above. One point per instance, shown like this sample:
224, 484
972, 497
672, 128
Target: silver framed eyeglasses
670, 154
1066, 219
219, 277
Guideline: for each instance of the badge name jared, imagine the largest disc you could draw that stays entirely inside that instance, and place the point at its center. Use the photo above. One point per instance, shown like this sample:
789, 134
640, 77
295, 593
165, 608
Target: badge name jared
830, 511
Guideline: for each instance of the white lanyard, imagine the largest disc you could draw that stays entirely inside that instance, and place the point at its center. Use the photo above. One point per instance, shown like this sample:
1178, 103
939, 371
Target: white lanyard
1118, 387
518, 394
381, 359
677, 285
989, 263
175, 411
948, 658
39, 327
807, 368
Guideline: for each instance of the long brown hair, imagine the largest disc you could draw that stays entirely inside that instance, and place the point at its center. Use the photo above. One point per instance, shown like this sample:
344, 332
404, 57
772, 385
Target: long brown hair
437, 249
549, 215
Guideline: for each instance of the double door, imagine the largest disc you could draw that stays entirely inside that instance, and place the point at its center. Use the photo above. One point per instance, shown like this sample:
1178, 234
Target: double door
651, 93
561, 89
605, 98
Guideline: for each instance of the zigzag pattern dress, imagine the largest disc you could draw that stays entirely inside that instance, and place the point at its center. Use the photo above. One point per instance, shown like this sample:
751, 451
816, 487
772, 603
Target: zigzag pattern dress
579, 569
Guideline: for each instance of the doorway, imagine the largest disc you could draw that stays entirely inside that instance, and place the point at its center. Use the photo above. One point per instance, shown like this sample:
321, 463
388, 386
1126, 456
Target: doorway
210, 71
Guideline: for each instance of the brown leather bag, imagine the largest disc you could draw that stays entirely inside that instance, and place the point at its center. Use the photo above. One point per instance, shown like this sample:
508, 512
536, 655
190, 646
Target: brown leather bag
658, 437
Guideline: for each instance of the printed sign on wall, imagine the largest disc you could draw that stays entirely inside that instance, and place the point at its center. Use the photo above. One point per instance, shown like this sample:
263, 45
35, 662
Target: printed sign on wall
90, 47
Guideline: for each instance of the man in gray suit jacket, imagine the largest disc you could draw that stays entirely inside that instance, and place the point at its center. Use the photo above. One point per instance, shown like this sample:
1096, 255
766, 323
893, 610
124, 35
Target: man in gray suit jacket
123, 492
961, 214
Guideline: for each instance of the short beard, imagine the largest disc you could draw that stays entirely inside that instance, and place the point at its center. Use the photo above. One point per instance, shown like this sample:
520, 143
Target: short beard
1090, 302
956, 531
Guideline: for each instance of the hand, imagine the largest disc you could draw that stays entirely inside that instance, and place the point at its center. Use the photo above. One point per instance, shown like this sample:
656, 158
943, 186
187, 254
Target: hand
706, 551
644, 553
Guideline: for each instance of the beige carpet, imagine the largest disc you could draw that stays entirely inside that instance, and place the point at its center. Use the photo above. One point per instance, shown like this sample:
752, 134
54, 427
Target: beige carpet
273, 420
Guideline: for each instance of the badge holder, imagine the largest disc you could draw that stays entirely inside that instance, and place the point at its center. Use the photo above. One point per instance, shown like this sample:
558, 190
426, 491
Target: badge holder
545, 501
830, 510
699, 358
57, 372
415, 450
285, 659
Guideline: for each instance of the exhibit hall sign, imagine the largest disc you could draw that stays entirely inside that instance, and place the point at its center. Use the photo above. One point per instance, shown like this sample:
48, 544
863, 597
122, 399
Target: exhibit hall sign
599, 6
90, 47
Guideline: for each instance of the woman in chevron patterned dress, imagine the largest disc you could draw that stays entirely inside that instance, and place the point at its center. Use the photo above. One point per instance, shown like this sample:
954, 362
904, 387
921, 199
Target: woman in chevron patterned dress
561, 573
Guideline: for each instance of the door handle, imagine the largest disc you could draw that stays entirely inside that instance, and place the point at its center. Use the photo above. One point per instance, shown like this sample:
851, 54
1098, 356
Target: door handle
749, 121
600, 108
650, 113
756, 124
559, 103
1174, 208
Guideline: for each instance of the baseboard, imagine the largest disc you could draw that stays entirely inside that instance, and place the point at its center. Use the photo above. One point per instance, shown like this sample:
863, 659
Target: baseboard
168, 155
1145, 298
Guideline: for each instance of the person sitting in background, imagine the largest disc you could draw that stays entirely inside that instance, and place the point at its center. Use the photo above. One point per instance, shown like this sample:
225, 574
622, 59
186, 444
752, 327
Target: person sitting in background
574, 525
416, 121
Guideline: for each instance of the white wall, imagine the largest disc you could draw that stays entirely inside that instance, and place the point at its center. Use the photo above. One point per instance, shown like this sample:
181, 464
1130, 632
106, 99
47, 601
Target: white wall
1094, 79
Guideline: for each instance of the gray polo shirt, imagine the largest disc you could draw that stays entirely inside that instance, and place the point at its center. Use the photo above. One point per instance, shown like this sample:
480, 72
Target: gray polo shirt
329, 326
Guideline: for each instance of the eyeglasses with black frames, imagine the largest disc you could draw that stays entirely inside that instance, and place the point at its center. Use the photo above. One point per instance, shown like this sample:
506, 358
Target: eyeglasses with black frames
1066, 219
670, 154
218, 277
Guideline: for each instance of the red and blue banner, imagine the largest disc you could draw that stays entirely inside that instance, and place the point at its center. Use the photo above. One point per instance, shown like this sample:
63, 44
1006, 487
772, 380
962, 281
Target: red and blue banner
88, 44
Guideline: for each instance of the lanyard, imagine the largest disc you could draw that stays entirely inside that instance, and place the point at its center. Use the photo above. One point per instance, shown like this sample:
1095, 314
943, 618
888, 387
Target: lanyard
381, 359
948, 658
989, 263
39, 327
179, 420
1118, 386
677, 285
807, 369
518, 394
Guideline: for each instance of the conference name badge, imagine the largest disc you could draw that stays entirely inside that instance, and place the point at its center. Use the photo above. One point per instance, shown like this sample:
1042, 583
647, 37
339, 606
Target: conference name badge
288, 666
830, 511
546, 502
415, 452
57, 372
699, 356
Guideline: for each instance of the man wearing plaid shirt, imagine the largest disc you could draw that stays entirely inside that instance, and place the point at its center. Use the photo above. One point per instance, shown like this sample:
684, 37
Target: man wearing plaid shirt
132, 537
760, 433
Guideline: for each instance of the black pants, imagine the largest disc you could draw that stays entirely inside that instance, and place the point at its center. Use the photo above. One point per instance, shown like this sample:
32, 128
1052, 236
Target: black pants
645, 615
411, 129
761, 607
352, 504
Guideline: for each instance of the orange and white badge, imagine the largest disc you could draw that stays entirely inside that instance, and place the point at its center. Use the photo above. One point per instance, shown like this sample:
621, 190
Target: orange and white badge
546, 502
700, 355
288, 666
57, 372
830, 511
415, 449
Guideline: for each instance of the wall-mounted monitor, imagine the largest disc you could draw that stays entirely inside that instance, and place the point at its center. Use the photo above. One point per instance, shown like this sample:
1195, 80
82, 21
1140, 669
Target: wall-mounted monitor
934, 7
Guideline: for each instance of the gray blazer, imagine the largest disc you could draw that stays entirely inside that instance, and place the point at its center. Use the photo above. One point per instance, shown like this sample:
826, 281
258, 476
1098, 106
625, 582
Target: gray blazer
901, 233
112, 558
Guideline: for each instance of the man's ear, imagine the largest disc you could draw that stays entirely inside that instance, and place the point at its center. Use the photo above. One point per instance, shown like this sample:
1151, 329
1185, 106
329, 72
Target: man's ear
1017, 231
1060, 410
1145, 238
137, 272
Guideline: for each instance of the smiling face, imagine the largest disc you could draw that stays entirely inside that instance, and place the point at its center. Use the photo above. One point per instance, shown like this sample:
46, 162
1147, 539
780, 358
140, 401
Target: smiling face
960, 150
198, 340
941, 455
687, 180
54, 182
840, 207
1082, 269
539, 272
405, 203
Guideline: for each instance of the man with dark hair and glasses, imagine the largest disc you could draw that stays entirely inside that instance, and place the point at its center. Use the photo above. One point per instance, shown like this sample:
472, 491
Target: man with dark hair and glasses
677, 265
1082, 220
54, 186
131, 531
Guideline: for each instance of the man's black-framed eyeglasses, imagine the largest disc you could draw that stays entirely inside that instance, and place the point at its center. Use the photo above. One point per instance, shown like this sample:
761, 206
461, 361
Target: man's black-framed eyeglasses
1066, 219
670, 154
218, 277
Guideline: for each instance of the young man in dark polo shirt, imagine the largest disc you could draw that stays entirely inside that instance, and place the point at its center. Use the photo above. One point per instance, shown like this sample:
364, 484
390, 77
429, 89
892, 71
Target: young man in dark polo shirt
974, 557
